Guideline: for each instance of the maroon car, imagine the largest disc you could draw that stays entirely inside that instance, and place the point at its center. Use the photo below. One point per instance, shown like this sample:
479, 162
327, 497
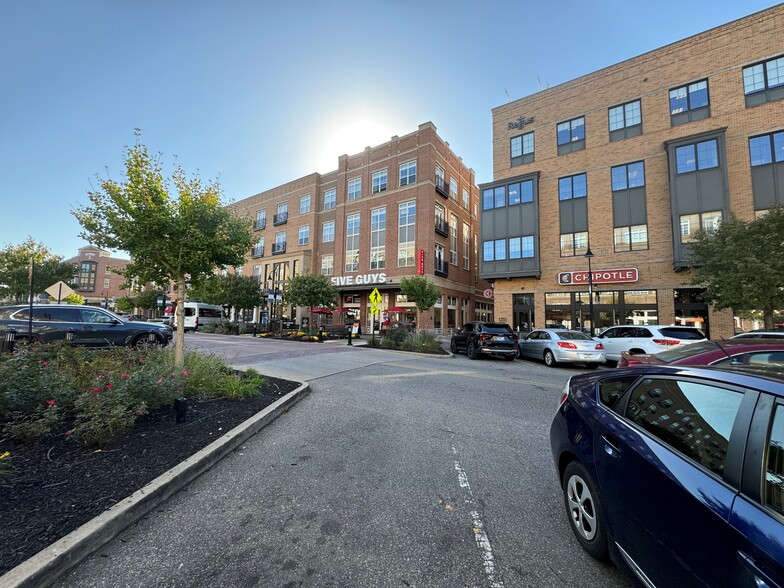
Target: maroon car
754, 352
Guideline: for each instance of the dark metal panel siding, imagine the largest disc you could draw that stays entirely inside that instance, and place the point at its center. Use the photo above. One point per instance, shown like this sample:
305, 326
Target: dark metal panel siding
711, 191
580, 214
566, 216
621, 212
686, 195
637, 207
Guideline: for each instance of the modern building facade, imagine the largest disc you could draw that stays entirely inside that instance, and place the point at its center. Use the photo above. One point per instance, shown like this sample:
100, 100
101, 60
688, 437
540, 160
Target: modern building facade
407, 207
95, 277
627, 163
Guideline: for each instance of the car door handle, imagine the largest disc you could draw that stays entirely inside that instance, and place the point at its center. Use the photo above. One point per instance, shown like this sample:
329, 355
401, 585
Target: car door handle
611, 446
760, 578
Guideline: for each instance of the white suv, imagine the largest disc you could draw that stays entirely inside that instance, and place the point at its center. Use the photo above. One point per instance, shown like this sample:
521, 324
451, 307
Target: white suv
646, 339
761, 334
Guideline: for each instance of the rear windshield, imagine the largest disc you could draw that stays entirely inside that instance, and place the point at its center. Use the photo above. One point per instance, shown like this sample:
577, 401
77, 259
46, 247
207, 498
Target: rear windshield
210, 312
686, 333
496, 328
574, 335
682, 351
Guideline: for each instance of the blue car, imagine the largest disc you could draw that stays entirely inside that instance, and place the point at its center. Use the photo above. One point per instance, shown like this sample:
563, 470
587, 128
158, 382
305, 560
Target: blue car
676, 473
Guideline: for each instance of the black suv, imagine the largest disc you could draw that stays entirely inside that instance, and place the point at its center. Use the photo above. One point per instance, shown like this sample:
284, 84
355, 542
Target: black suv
478, 338
89, 326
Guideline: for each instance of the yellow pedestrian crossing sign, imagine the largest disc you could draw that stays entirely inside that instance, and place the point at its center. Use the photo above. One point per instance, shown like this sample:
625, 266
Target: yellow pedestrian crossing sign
374, 310
375, 298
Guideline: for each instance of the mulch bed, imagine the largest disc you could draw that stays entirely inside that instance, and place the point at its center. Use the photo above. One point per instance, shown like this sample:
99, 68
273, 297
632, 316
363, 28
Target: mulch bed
58, 485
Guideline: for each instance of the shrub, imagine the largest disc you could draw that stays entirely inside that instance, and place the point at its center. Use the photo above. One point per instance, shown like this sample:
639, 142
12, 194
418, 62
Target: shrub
104, 413
422, 341
395, 338
242, 386
31, 427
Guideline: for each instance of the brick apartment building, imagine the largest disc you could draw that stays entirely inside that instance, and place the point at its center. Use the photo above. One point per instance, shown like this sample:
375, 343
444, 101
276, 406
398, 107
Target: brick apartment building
629, 162
95, 280
403, 208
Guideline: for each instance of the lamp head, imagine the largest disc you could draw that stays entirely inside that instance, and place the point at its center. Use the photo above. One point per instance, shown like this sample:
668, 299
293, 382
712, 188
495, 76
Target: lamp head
589, 253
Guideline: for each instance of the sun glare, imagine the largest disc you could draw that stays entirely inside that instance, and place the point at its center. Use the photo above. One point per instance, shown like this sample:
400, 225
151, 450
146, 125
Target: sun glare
349, 139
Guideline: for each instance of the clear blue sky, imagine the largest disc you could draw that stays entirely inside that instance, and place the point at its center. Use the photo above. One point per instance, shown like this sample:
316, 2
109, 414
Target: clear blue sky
258, 93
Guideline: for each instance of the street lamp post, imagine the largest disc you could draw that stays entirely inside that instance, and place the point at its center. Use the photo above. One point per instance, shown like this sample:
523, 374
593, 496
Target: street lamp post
589, 255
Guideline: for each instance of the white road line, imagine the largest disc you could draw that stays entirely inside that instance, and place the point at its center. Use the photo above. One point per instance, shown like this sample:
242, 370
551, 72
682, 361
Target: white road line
480, 536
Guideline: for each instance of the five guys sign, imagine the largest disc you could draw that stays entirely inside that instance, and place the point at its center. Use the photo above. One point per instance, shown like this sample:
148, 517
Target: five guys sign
613, 276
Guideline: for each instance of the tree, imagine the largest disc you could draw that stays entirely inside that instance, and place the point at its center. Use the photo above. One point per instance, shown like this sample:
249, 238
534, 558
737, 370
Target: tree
741, 265
310, 290
169, 238
207, 290
125, 304
421, 292
147, 300
74, 299
241, 292
15, 270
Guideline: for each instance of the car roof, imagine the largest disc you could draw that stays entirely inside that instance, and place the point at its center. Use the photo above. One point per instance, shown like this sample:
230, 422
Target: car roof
732, 345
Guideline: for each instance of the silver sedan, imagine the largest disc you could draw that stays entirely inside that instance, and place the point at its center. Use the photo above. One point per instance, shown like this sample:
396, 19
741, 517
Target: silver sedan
561, 346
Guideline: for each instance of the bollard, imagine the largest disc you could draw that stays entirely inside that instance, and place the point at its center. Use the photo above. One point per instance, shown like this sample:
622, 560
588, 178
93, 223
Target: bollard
349, 336
8, 340
321, 335
181, 407
255, 328
69, 335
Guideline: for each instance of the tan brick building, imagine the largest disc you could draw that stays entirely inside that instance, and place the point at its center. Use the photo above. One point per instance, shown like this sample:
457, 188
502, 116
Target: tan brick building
403, 208
94, 276
629, 162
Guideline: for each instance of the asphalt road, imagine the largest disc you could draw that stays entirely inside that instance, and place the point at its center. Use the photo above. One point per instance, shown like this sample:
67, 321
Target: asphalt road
395, 471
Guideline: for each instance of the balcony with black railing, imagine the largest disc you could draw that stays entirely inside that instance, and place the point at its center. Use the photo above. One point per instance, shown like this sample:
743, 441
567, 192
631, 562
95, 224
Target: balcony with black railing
442, 187
280, 219
441, 268
259, 224
257, 251
278, 248
441, 227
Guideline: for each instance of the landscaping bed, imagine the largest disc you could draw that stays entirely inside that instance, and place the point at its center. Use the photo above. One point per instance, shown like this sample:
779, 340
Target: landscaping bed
56, 485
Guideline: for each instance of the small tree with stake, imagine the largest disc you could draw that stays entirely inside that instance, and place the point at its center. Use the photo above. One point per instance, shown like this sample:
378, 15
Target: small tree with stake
421, 292
310, 290
169, 238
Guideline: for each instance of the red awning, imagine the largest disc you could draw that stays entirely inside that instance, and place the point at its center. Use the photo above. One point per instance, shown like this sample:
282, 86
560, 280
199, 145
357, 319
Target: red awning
320, 310
397, 309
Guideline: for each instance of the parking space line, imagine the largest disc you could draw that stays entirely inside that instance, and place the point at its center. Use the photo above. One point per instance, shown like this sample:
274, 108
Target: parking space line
468, 373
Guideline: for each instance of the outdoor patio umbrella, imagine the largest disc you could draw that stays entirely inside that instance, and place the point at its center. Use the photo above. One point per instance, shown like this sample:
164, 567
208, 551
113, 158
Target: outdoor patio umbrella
396, 309
320, 310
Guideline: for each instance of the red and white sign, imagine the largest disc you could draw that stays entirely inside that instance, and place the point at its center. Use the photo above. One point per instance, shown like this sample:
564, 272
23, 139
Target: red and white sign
421, 262
488, 293
612, 276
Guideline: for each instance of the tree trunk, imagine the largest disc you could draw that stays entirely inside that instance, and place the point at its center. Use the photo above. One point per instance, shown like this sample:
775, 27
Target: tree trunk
767, 314
179, 343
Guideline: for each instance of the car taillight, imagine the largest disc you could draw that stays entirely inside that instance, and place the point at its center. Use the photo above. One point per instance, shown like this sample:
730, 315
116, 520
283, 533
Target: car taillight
628, 360
666, 341
566, 345
564, 393
483, 337
599, 347
197, 321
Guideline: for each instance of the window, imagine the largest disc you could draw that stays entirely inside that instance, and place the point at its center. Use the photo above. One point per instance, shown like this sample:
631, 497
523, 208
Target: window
283, 208
304, 235
330, 197
465, 198
571, 136
692, 418
453, 240
87, 273
355, 189
261, 219
406, 234
704, 155
352, 243
328, 232
763, 76
766, 149
408, 173
689, 97
520, 192
633, 238
466, 246
774, 463
574, 244
453, 188
692, 223
628, 176
521, 247
626, 115
572, 187
379, 180
522, 148
327, 265
304, 204
378, 238
494, 250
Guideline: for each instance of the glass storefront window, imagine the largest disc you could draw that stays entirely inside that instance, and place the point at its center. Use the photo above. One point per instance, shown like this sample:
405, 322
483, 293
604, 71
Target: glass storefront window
640, 297
555, 298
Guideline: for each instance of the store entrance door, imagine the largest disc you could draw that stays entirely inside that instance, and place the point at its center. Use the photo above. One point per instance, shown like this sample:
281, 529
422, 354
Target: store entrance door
691, 310
523, 312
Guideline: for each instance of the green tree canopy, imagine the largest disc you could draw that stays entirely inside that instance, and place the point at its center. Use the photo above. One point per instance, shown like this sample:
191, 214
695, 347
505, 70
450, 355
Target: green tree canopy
125, 304
170, 238
310, 290
147, 300
15, 270
207, 290
421, 292
741, 265
241, 292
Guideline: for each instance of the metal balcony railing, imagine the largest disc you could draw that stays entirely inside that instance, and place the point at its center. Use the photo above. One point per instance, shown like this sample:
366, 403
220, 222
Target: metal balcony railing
442, 187
278, 248
441, 268
259, 224
257, 252
280, 219
441, 227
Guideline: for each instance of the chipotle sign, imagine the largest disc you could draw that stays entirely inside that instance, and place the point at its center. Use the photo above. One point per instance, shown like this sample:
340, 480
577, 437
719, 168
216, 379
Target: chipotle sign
612, 276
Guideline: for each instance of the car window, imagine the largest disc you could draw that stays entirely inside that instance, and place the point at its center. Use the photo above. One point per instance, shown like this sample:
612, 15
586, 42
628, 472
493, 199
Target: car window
497, 328
683, 351
544, 335
68, 315
91, 315
532, 336
468, 328
574, 336
693, 418
641, 333
624, 332
609, 333
611, 389
210, 312
685, 333
764, 358
774, 474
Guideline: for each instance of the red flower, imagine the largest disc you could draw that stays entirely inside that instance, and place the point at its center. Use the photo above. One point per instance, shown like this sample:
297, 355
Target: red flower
109, 386
51, 403
123, 375
96, 390
186, 373
160, 380
43, 363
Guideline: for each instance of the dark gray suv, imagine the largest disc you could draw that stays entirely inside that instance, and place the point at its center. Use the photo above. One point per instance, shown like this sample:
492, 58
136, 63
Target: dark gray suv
478, 338
89, 326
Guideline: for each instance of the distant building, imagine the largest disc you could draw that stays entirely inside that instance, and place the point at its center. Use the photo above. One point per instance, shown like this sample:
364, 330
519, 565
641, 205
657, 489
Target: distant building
631, 161
405, 208
95, 278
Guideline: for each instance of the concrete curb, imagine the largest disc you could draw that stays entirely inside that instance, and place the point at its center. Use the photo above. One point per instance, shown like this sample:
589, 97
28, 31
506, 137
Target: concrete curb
49, 564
